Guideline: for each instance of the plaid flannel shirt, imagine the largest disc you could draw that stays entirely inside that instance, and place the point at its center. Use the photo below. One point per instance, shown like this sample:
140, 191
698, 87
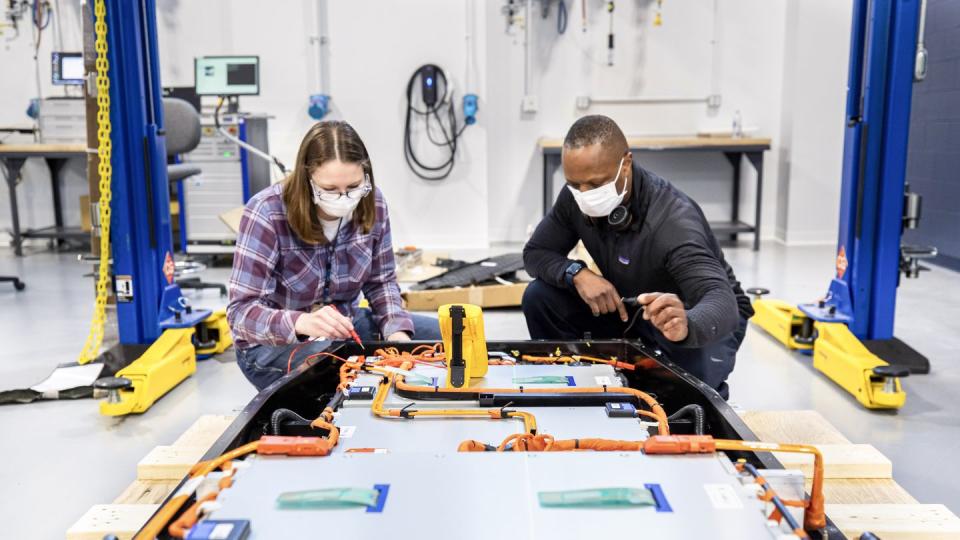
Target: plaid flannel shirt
277, 277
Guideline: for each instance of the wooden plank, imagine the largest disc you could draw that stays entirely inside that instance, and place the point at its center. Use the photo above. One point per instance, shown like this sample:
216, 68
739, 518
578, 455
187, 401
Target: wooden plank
37, 148
862, 491
123, 520
146, 492
896, 521
169, 462
841, 461
205, 431
793, 427
663, 143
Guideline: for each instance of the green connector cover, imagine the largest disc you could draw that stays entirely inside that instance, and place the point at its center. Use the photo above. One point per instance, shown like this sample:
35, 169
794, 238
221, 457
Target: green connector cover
543, 379
331, 498
596, 498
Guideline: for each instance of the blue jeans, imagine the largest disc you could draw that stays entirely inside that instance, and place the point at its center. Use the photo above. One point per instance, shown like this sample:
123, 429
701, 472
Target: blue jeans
263, 364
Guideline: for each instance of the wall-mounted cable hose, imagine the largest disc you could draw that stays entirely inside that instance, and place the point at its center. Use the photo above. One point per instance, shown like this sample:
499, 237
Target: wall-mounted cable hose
431, 76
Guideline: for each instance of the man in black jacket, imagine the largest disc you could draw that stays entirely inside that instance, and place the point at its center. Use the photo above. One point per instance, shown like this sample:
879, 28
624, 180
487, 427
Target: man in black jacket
651, 242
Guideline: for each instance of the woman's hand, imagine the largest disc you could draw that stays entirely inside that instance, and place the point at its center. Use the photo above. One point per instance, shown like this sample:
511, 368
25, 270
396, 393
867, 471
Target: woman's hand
399, 336
326, 322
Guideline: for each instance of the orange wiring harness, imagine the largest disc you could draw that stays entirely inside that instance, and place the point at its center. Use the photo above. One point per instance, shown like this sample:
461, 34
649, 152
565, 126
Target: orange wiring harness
529, 441
814, 518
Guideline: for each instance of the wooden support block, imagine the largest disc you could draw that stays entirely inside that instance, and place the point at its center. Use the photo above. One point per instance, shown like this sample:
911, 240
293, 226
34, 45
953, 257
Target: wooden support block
146, 492
123, 520
854, 491
896, 521
169, 462
841, 461
793, 427
205, 431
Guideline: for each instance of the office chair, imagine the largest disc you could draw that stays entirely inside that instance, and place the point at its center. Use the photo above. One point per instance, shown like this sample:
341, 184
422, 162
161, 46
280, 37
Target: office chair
182, 123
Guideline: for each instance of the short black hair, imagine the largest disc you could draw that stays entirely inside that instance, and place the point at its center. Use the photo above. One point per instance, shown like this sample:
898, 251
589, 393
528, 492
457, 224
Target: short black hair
596, 129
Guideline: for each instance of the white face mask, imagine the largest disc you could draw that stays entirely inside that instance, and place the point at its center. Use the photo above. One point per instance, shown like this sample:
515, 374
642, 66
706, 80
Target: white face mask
338, 208
599, 202
343, 205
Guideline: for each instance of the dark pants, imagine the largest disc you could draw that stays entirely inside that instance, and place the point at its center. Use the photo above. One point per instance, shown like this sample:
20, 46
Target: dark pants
263, 364
554, 313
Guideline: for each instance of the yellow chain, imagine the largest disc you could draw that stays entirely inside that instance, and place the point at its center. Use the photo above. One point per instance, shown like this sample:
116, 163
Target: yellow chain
91, 348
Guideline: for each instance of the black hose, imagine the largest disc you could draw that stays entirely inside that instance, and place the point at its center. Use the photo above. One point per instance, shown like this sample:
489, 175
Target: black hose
690, 411
422, 170
282, 415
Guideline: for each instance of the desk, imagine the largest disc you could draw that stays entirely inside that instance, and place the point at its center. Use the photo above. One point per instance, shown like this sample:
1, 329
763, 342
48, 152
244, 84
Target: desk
13, 157
734, 149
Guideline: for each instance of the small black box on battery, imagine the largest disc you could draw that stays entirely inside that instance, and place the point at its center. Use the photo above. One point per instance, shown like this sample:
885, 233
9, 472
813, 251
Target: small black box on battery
621, 410
215, 529
361, 392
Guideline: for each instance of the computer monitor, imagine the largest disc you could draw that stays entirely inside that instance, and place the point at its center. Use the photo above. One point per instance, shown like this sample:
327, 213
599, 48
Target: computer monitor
227, 75
66, 68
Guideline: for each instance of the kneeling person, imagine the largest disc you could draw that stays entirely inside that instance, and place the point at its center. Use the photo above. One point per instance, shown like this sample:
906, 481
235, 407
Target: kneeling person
650, 241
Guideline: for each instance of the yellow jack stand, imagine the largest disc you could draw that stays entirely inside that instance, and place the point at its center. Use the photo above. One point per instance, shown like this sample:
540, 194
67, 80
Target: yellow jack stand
214, 335
171, 359
837, 353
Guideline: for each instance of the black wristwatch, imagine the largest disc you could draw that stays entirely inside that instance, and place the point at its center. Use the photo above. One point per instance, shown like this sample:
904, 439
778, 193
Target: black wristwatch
573, 269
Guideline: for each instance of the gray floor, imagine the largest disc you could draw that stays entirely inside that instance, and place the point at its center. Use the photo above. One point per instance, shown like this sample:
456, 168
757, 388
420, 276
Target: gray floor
59, 458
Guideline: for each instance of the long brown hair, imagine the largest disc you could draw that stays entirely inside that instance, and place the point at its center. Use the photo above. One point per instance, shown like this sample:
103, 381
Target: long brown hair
325, 141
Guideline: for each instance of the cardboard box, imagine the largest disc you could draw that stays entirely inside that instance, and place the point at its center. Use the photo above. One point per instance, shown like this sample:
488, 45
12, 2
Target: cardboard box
424, 270
488, 296
231, 218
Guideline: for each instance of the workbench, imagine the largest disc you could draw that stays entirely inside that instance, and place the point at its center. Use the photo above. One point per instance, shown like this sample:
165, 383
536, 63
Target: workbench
734, 149
13, 157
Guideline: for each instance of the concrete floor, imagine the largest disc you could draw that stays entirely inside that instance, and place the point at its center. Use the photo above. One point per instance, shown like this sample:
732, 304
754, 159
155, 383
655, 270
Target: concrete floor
59, 458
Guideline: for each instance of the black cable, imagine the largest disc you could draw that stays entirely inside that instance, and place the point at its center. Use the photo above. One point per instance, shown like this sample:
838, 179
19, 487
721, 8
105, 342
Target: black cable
280, 416
451, 133
633, 321
561, 16
693, 410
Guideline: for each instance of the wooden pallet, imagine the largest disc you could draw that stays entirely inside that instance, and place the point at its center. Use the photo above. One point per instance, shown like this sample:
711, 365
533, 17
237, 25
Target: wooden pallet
859, 488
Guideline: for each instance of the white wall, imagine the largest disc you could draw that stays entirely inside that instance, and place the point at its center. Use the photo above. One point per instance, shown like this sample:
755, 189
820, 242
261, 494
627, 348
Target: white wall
675, 59
494, 194
815, 59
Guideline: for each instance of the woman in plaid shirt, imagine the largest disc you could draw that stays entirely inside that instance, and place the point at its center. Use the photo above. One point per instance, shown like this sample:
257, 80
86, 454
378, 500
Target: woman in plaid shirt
307, 248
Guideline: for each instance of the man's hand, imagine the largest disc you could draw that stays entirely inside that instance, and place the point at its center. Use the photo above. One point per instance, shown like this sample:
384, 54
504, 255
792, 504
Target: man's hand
326, 322
599, 294
666, 312
399, 336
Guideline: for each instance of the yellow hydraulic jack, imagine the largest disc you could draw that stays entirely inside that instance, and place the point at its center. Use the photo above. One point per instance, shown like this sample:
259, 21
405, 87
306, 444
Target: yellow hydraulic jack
837, 353
168, 361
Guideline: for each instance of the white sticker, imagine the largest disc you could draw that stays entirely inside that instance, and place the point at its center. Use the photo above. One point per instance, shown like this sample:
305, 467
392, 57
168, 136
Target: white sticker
603, 381
723, 496
221, 531
347, 431
616, 406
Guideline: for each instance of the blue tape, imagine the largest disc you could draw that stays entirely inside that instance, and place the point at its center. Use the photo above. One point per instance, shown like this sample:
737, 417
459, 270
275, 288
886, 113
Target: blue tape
382, 490
659, 497
571, 381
